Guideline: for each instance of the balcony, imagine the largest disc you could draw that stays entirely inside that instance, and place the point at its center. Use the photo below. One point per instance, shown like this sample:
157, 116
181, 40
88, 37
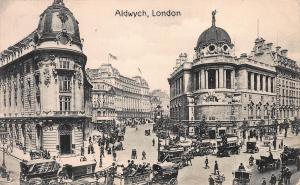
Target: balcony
62, 113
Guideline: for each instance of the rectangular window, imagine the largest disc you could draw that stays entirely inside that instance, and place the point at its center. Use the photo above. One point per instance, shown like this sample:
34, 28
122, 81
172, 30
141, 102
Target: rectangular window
228, 79
64, 103
65, 83
211, 79
64, 63
197, 80
249, 80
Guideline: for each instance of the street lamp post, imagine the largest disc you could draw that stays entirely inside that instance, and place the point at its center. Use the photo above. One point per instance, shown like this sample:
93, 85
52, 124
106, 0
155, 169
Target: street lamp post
3, 162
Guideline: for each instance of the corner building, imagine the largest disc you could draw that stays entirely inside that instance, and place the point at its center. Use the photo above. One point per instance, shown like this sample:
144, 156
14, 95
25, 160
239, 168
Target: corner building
129, 97
261, 87
44, 92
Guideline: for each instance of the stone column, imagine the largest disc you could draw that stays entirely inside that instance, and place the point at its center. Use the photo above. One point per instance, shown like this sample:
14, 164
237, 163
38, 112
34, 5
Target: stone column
224, 80
202, 78
258, 82
217, 78
232, 79
194, 81
264, 83
186, 82
199, 80
221, 77
206, 79
252, 81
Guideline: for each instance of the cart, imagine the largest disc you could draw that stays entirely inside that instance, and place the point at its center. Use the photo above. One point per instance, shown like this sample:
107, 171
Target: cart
268, 139
251, 147
241, 177
134, 174
202, 148
78, 170
39, 171
147, 132
165, 174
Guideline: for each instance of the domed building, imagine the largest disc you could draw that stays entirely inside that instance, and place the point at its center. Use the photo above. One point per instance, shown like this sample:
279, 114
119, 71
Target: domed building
226, 92
44, 93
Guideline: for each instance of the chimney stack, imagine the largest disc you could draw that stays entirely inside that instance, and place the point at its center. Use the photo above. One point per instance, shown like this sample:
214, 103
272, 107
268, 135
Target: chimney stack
284, 52
277, 49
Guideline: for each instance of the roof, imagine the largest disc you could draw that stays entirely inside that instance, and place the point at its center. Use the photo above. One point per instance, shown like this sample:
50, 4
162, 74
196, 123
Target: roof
213, 35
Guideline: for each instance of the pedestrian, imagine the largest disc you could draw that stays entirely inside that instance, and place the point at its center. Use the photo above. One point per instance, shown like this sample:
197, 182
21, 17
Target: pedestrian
82, 151
211, 180
264, 182
216, 169
260, 137
144, 155
92, 149
273, 180
102, 151
89, 149
153, 142
114, 155
274, 144
206, 163
288, 176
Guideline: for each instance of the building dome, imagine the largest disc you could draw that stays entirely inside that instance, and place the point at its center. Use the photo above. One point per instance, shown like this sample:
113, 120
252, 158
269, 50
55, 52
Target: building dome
58, 23
213, 35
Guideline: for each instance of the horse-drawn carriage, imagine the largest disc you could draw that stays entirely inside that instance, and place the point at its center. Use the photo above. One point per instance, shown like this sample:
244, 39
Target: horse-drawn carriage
136, 174
265, 163
176, 154
228, 145
241, 177
226, 150
165, 173
202, 148
39, 171
268, 139
252, 147
290, 156
147, 132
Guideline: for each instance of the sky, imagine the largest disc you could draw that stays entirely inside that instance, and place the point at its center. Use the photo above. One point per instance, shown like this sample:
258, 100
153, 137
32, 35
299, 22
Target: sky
153, 44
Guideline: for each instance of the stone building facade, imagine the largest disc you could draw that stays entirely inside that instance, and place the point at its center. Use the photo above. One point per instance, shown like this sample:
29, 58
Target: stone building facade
131, 95
225, 90
44, 93
161, 98
103, 101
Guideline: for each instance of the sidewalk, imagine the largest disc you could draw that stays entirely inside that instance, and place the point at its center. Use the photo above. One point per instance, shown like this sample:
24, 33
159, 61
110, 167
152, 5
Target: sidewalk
18, 154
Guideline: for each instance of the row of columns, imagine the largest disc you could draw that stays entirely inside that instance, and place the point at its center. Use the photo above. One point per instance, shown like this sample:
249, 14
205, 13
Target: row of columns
177, 87
220, 76
267, 82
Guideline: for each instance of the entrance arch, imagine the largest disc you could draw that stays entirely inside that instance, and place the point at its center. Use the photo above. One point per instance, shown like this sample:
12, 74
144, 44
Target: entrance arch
39, 136
65, 139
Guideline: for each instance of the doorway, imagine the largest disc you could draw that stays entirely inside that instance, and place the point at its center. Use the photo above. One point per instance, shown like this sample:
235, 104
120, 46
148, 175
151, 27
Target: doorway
65, 139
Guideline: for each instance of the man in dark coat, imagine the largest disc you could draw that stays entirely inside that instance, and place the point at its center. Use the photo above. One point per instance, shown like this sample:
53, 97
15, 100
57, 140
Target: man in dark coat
216, 169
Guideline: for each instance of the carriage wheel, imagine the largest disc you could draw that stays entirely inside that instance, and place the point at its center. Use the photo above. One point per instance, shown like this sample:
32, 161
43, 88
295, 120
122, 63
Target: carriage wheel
173, 182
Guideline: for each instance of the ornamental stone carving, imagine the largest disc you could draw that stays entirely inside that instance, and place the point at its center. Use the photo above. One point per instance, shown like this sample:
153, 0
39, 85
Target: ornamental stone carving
78, 77
54, 72
47, 77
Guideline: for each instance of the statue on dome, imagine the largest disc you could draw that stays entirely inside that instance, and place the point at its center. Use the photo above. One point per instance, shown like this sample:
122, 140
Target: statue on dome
213, 13
58, 2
